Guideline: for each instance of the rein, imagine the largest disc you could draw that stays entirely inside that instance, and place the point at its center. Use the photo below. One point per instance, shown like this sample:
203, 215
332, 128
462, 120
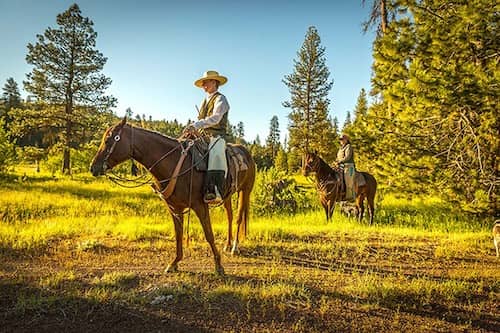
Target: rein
167, 192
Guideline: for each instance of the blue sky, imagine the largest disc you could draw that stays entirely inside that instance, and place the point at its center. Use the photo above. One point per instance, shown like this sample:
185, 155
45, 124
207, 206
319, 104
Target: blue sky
157, 49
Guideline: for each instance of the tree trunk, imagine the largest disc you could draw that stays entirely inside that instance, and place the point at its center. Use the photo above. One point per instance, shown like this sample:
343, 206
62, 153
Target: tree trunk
66, 169
67, 137
383, 16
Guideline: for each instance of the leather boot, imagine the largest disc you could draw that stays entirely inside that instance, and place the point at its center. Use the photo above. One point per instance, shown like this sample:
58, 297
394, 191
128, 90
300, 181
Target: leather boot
213, 188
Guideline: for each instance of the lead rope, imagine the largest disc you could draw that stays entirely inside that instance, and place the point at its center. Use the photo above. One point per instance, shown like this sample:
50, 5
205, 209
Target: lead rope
189, 207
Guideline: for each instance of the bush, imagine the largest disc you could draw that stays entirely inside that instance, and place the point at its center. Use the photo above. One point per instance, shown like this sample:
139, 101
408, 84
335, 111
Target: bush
7, 151
275, 192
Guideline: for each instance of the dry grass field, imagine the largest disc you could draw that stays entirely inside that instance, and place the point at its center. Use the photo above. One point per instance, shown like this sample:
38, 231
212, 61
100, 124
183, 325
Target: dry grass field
86, 255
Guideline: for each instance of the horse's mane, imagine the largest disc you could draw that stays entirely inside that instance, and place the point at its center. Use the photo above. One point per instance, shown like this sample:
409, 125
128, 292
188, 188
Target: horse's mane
324, 165
163, 136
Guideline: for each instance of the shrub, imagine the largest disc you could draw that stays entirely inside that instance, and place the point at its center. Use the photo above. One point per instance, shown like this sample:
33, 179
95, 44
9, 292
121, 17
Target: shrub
7, 151
275, 192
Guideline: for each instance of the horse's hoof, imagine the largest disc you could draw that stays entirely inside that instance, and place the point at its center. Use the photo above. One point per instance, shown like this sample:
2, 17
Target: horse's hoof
235, 251
219, 271
171, 269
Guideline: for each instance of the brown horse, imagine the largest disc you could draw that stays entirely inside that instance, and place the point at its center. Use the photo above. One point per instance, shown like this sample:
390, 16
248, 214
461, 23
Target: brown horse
167, 160
328, 184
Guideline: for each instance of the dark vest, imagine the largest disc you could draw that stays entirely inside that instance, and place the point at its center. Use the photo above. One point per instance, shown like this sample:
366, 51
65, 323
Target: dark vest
206, 110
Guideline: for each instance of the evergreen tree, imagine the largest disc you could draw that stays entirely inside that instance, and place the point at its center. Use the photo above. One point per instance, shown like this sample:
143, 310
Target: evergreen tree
240, 133
67, 82
11, 95
361, 108
361, 135
129, 113
347, 121
273, 139
281, 161
436, 119
335, 126
258, 152
309, 85
379, 16
11, 98
7, 152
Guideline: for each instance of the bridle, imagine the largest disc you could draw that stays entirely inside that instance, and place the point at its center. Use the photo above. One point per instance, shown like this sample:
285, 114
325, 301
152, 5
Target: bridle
171, 180
311, 166
111, 149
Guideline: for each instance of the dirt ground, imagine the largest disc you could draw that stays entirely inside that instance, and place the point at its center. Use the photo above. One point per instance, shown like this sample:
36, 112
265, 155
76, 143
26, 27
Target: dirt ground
62, 289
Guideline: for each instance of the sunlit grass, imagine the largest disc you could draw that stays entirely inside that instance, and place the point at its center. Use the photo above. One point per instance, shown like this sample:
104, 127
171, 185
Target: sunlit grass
38, 210
417, 292
419, 253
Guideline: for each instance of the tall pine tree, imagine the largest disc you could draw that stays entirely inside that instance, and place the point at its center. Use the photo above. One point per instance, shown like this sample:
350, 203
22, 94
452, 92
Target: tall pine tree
11, 98
309, 85
67, 81
361, 134
11, 95
273, 139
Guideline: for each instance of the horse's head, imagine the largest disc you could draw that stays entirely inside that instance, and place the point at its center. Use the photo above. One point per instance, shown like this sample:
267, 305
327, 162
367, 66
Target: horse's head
115, 148
310, 163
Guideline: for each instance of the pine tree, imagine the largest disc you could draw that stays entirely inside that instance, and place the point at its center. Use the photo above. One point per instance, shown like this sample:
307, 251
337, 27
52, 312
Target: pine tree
436, 115
240, 133
11, 95
67, 81
309, 85
129, 113
347, 121
273, 139
11, 99
379, 16
335, 126
361, 136
459, 94
281, 161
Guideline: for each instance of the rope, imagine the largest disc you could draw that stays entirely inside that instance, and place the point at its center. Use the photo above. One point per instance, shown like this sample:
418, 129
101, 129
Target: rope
119, 180
189, 202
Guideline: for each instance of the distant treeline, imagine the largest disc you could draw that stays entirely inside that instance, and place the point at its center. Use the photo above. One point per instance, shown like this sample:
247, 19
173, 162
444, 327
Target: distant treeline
429, 124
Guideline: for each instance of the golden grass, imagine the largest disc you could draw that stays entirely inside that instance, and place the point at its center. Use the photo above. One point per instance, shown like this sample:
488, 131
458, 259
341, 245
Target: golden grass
104, 243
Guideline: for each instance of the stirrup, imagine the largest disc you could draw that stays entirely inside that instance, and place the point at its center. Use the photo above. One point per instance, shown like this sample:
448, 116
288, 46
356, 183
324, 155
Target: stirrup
212, 198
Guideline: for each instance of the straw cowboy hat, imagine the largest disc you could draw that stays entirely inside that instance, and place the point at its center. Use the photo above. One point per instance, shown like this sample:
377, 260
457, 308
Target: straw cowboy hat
345, 137
210, 75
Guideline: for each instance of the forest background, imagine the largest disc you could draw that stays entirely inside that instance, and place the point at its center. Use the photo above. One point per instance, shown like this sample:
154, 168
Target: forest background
432, 126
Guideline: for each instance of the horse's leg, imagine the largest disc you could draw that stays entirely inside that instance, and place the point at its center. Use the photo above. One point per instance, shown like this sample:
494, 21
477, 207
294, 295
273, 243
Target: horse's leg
371, 206
326, 209
204, 217
331, 207
178, 224
229, 212
360, 206
242, 219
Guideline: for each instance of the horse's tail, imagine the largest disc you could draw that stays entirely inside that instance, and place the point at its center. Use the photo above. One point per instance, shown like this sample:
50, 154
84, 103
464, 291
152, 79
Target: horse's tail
244, 204
371, 184
244, 197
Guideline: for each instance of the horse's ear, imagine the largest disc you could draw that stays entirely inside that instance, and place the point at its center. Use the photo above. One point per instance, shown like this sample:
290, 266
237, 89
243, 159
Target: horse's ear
124, 121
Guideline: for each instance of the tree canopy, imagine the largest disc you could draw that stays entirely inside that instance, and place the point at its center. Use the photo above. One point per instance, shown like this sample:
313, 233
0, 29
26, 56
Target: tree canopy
67, 82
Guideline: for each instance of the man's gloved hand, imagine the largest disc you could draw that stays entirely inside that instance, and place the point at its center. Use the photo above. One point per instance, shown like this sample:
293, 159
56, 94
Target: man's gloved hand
190, 132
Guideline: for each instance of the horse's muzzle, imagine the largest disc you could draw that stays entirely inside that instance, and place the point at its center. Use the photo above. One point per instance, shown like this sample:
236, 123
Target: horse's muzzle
97, 169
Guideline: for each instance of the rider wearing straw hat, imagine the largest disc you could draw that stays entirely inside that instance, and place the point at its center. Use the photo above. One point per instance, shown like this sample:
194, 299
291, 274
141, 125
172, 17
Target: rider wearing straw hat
345, 159
212, 119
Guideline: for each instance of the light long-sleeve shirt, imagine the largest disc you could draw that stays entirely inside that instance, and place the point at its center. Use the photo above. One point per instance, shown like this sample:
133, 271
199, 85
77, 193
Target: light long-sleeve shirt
345, 154
221, 106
